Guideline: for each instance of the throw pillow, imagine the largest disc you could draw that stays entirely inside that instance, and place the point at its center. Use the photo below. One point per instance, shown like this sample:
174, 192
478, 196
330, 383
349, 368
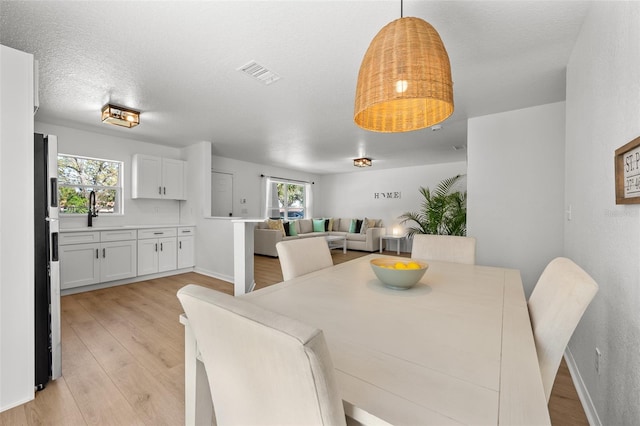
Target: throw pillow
305, 226
287, 232
358, 226
293, 228
330, 224
277, 225
326, 225
366, 224
352, 226
318, 225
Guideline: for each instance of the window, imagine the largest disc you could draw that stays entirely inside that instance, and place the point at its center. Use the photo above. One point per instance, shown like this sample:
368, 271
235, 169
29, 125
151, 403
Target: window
291, 200
78, 176
286, 199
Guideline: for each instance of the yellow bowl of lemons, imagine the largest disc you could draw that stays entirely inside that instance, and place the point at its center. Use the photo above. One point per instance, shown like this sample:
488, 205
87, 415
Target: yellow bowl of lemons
398, 274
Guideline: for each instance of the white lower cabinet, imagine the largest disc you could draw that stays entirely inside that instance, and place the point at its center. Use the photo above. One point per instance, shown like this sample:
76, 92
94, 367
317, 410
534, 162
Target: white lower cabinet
186, 247
79, 265
92, 263
157, 250
93, 257
119, 260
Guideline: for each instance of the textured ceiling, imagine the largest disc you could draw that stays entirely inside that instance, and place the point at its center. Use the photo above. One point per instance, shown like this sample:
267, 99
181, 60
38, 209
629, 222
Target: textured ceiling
177, 63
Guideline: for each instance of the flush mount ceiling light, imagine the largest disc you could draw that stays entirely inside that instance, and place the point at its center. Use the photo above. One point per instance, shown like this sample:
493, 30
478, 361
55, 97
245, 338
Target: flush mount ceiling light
404, 81
120, 116
362, 162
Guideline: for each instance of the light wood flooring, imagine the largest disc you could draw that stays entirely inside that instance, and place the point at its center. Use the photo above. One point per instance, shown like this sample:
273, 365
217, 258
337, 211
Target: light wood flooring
123, 357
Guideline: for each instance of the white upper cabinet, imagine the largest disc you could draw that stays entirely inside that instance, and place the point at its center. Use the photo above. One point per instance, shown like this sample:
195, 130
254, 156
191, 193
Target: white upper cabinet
157, 177
173, 179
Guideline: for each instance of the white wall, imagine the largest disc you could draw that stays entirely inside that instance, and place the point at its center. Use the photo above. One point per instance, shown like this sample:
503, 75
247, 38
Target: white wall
214, 236
247, 182
603, 113
353, 194
515, 188
16, 228
89, 144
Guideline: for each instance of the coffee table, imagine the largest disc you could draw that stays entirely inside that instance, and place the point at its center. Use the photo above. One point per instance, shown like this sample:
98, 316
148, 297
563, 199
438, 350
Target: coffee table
337, 241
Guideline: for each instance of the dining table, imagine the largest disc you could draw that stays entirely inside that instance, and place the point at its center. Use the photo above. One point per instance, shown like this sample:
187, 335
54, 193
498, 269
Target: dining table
456, 348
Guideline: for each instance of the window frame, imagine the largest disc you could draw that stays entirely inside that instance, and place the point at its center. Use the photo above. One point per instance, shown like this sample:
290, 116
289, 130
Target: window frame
119, 188
284, 210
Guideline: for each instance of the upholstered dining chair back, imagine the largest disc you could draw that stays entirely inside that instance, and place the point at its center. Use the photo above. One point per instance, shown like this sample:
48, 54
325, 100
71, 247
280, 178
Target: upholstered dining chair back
447, 248
263, 368
558, 301
302, 256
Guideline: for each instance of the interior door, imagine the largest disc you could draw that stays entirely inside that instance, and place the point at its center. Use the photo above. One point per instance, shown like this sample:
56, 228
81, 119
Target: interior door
221, 194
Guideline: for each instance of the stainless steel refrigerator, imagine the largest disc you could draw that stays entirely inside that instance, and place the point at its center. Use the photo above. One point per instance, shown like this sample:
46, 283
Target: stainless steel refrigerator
48, 364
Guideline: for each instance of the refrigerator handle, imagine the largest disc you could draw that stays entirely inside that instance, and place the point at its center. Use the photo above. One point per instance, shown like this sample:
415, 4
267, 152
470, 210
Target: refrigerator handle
54, 246
54, 192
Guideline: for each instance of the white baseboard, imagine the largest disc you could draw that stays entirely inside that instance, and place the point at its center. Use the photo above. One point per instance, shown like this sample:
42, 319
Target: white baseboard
17, 403
211, 274
222, 277
583, 392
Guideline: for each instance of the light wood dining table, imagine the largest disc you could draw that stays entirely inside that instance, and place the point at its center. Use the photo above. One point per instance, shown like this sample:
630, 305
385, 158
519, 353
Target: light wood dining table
457, 348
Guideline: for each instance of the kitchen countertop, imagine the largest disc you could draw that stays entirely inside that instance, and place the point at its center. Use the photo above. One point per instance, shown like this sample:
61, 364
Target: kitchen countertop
115, 228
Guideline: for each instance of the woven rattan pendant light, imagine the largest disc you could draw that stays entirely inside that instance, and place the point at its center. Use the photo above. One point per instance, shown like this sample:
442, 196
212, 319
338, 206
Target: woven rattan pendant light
404, 81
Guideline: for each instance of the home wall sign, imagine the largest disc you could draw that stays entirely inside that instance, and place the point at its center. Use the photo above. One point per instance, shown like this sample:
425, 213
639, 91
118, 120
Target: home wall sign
627, 170
387, 195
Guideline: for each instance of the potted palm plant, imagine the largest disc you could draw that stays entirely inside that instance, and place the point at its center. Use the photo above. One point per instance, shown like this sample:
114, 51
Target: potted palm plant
443, 210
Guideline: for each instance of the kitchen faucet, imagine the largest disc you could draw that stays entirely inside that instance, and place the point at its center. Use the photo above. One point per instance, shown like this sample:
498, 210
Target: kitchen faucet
92, 208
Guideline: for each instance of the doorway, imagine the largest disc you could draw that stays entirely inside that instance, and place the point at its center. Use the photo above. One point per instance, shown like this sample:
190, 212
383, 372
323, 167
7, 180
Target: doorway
221, 194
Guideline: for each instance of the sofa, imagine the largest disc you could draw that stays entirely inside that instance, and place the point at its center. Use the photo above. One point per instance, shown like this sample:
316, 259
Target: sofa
361, 234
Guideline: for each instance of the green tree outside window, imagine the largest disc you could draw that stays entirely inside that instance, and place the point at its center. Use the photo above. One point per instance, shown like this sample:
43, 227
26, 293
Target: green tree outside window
78, 176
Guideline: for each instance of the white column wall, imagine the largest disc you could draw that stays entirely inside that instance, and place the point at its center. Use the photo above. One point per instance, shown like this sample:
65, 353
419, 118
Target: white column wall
214, 236
516, 188
603, 113
17, 375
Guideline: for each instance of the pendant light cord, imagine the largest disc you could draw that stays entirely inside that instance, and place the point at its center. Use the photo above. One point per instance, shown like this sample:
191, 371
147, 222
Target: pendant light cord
401, 12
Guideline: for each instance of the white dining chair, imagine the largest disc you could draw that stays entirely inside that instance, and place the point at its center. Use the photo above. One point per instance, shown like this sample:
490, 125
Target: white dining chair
302, 256
262, 367
558, 301
446, 248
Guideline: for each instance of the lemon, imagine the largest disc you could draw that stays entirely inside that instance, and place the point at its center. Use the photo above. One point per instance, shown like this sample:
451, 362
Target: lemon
413, 265
400, 265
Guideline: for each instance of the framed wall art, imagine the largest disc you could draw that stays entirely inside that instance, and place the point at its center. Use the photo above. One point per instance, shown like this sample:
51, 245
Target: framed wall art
627, 169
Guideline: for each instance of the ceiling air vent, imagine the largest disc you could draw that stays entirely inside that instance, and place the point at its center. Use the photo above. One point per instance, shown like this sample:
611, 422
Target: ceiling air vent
260, 73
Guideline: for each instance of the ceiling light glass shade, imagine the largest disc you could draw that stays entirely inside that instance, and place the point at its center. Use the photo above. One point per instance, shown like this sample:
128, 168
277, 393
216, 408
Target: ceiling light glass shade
120, 116
362, 162
404, 81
